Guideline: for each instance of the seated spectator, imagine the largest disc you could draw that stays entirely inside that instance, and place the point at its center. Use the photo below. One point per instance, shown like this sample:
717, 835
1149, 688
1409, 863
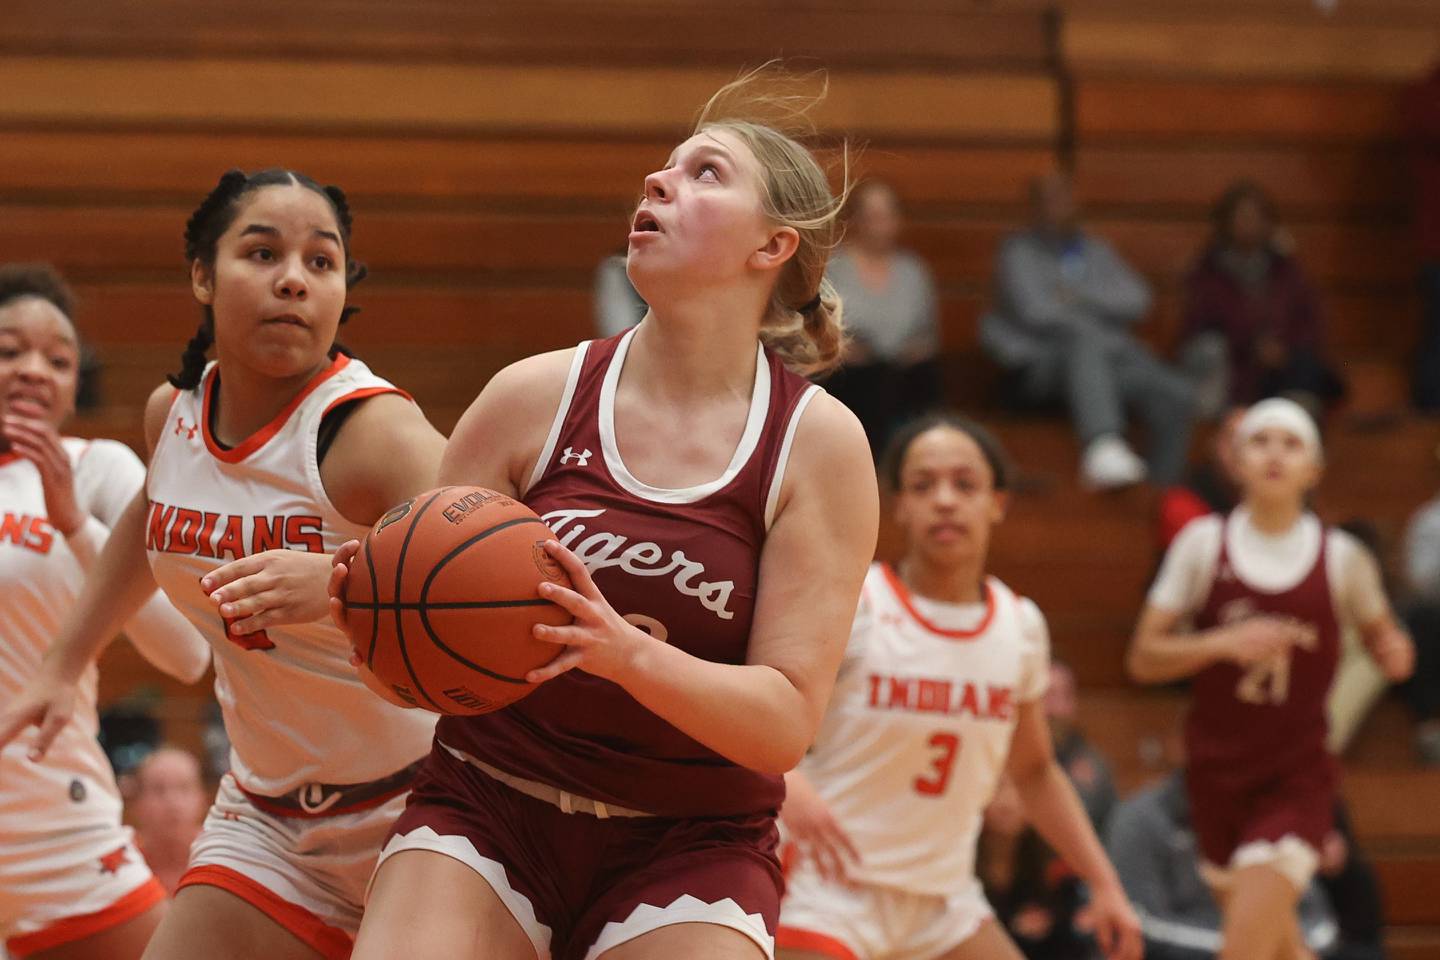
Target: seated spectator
1210, 486
891, 373
1421, 610
1086, 766
1153, 847
1251, 327
1034, 894
617, 306
1422, 120
1064, 306
167, 805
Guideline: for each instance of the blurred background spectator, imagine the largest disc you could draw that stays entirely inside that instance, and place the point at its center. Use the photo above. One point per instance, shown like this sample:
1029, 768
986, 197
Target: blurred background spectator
1422, 119
1086, 766
1210, 486
1035, 896
167, 804
1421, 610
1350, 884
1251, 326
891, 313
1061, 323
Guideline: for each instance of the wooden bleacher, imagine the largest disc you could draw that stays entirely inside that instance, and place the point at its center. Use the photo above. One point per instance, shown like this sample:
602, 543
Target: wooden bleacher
492, 152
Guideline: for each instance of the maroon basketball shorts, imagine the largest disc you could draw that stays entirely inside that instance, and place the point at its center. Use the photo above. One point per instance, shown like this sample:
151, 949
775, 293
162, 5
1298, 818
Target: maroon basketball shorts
1277, 820
579, 883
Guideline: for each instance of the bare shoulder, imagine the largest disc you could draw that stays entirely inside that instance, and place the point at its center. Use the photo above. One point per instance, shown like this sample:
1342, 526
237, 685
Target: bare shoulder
505, 426
830, 452
157, 411
385, 452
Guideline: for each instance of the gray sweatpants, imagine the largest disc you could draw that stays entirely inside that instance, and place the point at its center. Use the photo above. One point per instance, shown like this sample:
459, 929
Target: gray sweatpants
1099, 373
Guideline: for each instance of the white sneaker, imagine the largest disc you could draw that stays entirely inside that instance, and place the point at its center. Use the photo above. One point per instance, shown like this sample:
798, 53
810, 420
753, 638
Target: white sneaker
1109, 464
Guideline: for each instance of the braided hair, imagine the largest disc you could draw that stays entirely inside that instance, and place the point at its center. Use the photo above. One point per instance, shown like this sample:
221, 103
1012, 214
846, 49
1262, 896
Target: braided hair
208, 224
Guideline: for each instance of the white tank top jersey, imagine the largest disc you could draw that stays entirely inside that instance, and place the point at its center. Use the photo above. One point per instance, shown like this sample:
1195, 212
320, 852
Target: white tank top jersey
41, 573
919, 727
294, 708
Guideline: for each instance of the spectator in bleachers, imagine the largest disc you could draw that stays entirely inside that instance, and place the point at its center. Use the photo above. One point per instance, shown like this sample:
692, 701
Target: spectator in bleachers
1086, 766
1210, 486
1034, 894
1065, 303
1153, 846
1422, 118
891, 371
617, 306
1251, 326
167, 804
1421, 610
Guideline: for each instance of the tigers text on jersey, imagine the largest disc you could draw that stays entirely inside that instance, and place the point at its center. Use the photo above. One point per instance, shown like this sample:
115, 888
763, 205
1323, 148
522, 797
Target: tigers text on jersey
294, 707
40, 578
919, 728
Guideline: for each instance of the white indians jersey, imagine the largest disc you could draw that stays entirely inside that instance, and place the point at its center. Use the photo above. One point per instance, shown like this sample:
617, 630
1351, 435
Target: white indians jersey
919, 727
40, 579
294, 708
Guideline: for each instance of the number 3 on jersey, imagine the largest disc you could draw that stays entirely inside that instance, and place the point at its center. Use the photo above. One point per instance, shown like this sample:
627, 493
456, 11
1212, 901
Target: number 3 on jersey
945, 746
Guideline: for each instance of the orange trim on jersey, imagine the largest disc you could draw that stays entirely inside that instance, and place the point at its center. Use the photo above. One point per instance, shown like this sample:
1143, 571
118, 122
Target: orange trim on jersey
70, 929
364, 393
10, 457
793, 938
262, 436
902, 593
330, 942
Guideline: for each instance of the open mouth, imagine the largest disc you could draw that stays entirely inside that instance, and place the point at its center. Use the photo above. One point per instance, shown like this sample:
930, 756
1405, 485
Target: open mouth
645, 222
26, 401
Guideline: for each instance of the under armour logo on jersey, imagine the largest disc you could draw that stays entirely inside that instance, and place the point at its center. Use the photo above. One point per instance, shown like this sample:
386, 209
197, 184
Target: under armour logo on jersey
313, 800
189, 431
583, 459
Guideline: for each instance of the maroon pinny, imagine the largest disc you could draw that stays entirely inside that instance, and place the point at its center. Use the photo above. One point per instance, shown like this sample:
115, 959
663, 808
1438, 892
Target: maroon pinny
684, 566
1258, 768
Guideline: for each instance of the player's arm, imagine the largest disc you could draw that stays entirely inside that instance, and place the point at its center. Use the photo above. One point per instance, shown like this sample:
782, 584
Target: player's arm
386, 452
1053, 806
762, 714
118, 585
1363, 602
1162, 651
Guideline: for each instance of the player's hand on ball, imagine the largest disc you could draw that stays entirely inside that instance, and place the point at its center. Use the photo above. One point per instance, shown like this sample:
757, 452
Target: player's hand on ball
340, 565
811, 826
1115, 924
1257, 639
48, 703
270, 589
600, 641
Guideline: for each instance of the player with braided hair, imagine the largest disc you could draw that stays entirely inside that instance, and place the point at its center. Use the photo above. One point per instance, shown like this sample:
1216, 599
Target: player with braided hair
262, 464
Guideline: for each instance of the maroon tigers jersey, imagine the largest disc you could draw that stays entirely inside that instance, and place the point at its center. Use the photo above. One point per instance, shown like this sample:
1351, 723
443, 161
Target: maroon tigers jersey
1265, 719
681, 564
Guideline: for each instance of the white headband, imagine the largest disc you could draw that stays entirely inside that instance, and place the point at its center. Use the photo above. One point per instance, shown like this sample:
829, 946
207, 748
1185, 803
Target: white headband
1284, 415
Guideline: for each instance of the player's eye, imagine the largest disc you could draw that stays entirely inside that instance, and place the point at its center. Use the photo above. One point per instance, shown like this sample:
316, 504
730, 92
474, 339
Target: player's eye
263, 254
322, 262
710, 169
62, 363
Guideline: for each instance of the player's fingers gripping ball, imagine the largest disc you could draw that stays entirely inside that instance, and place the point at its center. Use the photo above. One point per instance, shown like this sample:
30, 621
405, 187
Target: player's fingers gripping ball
442, 598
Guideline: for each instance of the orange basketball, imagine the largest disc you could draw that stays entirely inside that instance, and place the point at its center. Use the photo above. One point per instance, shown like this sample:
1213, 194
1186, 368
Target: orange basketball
442, 597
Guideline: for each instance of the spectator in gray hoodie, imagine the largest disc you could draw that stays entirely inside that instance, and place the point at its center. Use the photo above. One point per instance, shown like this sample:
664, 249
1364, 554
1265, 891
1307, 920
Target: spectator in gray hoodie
1064, 306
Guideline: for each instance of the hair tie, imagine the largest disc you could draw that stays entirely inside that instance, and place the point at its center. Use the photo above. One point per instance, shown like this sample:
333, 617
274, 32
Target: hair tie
811, 306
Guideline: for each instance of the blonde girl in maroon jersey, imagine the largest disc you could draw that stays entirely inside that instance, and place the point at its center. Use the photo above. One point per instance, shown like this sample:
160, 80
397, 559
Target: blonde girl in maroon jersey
728, 510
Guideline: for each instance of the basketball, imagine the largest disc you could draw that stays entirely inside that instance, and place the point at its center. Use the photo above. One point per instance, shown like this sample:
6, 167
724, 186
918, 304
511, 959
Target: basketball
442, 597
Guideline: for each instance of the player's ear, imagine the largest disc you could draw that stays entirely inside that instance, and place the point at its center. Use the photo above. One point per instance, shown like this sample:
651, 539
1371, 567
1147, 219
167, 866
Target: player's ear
999, 505
202, 282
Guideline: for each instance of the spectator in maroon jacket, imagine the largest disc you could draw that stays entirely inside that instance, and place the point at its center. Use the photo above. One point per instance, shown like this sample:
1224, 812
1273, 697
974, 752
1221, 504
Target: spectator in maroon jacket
1252, 324
1422, 118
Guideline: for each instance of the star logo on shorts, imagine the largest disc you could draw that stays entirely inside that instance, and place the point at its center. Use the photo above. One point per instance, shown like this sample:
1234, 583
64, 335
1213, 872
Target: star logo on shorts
113, 861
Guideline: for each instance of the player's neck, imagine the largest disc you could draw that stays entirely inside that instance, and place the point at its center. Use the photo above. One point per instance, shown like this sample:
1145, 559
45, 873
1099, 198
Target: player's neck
953, 583
1274, 518
690, 355
248, 401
